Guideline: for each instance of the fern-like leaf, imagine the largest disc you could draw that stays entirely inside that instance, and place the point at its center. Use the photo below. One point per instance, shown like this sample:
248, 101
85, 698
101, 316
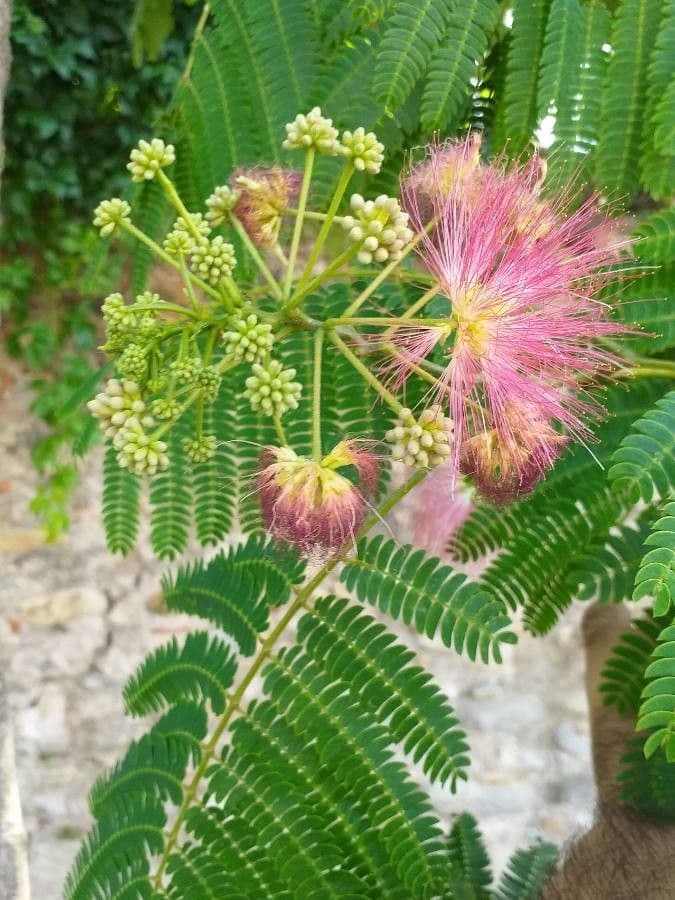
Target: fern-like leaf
606, 570
455, 63
657, 711
658, 157
656, 237
648, 303
648, 784
470, 874
121, 497
656, 575
560, 60
411, 36
433, 598
644, 464
623, 674
354, 649
203, 668
527, 872
171, 499
618, 153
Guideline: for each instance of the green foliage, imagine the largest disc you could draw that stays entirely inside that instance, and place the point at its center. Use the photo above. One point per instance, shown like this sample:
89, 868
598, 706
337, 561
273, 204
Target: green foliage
470, 875
623, 674
527, 872
432, 598
657, 238
647, 302
656, 575
648, 784
644, 464
121, 492
657, 711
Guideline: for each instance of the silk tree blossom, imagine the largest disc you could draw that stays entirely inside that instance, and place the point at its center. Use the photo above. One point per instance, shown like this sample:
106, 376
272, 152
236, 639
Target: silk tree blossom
310, 504
522, 274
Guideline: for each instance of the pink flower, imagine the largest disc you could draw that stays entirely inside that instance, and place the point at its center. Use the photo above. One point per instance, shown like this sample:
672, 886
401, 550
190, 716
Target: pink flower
310, 504
263, 195
522, 275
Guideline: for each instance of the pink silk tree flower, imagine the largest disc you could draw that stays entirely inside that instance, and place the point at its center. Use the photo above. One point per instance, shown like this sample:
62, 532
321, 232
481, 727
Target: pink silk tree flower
311, 505
522, 274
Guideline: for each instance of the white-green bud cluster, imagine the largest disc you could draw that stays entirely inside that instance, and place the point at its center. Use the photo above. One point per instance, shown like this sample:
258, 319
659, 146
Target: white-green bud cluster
133, 363
422, 443
127, 325
380, 226
271, 388
312, 130
247, 339
220, 203
208, 381
164, 408
213, 259
120, 401
180, 241
200, 449
137, 451
148, 158
116, 314
109, 214
187, 369
364, 149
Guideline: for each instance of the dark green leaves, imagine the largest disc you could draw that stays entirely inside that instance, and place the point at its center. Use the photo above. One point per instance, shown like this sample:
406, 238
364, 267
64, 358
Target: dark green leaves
644, 464
434, 599
656, 575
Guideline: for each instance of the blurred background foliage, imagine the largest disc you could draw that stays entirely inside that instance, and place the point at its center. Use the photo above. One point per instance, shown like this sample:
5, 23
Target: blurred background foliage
86, 80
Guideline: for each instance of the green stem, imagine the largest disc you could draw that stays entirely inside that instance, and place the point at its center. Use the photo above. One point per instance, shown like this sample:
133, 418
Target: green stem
316, 395
177, 203
657, 369
365, 373
385, 321
340, 188
297, 231
210, 344
188, 283
330, 269
167, 307
309, 214
255, 255
266, 648
281, 434
163, 255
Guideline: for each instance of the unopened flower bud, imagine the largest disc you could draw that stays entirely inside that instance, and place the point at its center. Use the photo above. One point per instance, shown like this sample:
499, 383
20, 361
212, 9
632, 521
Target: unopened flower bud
109, 214
213, 259
208, 381
271, 388
137, 451
201, 449
187, 369
364, 149
163, 408
133, 363
312, 130
247, 339
148, 158
422, 443
380, 226
220, 203
120, 400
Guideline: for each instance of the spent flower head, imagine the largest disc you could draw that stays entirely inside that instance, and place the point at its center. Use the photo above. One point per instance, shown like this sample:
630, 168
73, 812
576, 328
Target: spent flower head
148, 158
312, 130
109, 215
264, 195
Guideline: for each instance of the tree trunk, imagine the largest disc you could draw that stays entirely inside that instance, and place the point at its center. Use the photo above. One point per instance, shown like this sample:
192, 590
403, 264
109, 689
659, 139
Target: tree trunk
14, 883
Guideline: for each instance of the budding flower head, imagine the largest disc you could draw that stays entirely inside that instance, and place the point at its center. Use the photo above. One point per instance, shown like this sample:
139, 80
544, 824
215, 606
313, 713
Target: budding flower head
149, 157
379, 226
213, 259
312, 130
119, 401
247, 339
200, 449
311, 505
109, 214
180, 241
264, 194
137, 451
364, 149
271, 388
423, 443
220, 203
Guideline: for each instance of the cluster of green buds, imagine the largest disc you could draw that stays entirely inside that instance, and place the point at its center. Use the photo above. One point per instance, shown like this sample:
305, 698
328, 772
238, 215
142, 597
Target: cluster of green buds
171, 355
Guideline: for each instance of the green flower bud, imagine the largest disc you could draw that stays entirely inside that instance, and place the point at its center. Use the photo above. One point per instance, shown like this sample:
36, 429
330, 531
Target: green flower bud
148, 158
180, 240
221, 201
109, 214
312, 130
208, 381
213, 260
364, 149
247, 339
133, 363
137, 451
422, 443
120, 400
201, 449
187, 369
271, 388
164, 408
380, 226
